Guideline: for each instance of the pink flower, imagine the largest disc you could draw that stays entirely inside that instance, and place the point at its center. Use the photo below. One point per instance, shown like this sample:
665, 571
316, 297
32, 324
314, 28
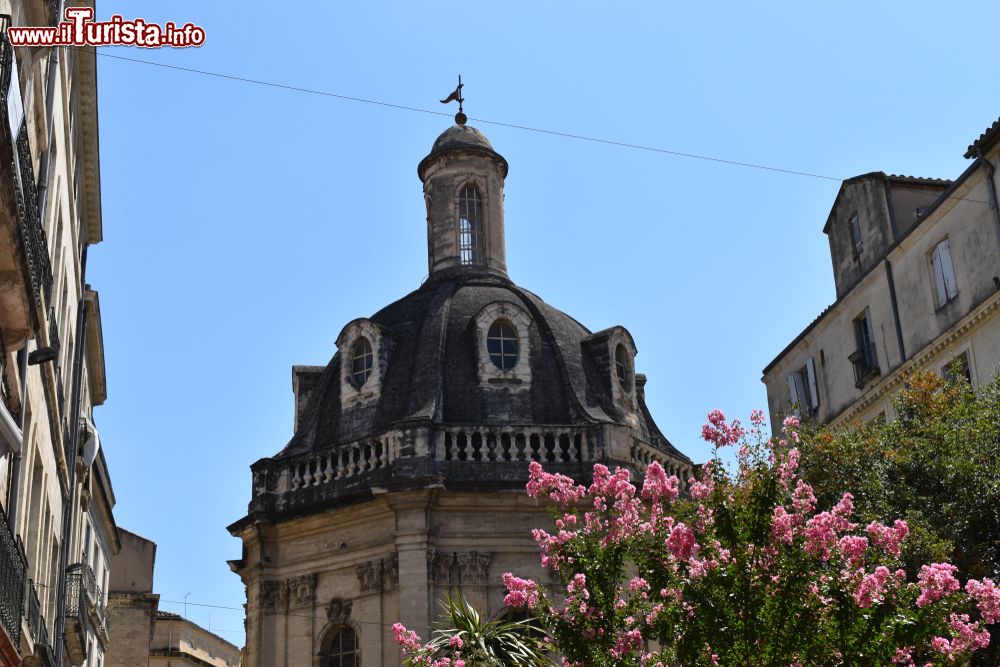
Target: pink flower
936, 580
408, 639
987, 597
888, 538
559, 488
853, 549
520, 592
681, 542
873, 587
455, 642
719, 433
757, 417
783, 524
657, 486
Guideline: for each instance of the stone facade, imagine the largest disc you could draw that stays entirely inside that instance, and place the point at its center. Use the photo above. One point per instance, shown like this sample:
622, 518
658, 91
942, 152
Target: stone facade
917, 270
404, 478
56, 497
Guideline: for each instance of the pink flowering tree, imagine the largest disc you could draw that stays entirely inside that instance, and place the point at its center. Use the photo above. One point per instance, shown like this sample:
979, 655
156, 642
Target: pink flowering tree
739, 568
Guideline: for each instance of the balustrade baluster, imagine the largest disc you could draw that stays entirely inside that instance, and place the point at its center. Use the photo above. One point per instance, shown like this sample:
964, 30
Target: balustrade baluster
296, 478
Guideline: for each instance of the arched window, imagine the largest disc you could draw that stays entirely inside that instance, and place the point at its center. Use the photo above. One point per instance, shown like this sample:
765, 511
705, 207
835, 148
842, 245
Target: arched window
470, 213
361, 361
623, 367
340, 648
502, 345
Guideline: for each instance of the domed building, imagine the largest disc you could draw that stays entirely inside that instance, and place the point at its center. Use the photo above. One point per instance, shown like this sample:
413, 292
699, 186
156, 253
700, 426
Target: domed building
405, 475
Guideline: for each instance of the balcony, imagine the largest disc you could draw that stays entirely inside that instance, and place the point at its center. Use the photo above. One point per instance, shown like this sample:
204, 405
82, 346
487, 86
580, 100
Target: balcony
85, 610
865, 364
25, 271
43, 655
13, 575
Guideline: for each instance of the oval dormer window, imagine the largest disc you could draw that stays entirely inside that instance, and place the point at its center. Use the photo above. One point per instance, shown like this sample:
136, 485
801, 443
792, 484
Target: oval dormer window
502, 345
361, 361
623, 367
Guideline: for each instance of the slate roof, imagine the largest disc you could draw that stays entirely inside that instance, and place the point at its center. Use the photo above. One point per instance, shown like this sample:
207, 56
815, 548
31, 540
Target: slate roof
432, 373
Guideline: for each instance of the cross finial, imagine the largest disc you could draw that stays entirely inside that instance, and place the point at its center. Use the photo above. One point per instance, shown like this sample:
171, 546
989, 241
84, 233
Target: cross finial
456, 96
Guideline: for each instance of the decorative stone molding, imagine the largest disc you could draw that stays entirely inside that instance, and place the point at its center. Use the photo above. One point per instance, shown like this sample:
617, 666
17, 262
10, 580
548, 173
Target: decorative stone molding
518, 377
378, 575
301, 590
274, 597
382, 344
458, 568
339, 610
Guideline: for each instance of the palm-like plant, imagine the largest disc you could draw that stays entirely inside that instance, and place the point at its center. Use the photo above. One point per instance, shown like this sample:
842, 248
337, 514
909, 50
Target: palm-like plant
499, 642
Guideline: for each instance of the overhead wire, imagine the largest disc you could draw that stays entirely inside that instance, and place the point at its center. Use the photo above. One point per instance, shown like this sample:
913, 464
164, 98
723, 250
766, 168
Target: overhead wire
499, 123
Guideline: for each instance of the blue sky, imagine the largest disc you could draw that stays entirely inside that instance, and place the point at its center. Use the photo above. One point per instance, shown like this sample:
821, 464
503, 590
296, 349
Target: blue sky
245, 225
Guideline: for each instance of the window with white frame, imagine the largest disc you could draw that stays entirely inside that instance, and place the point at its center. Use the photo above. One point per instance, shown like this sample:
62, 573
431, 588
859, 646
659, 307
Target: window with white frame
803, 391
944, 273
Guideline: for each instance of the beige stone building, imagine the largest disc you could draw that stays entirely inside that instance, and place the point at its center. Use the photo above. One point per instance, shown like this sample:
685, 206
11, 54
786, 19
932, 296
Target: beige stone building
132, 604
177, 642
405, 475
916, 264
57, 531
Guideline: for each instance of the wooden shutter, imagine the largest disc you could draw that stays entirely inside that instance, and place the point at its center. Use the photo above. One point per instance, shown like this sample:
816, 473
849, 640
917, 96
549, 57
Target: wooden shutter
793, 394
947, 270
811, 374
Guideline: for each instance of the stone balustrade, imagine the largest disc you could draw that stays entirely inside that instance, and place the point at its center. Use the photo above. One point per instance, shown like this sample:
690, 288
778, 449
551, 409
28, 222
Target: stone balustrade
341, 462
525, 443
451, 445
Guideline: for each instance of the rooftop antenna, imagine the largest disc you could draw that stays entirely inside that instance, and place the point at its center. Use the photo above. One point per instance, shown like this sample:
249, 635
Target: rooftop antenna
456, 96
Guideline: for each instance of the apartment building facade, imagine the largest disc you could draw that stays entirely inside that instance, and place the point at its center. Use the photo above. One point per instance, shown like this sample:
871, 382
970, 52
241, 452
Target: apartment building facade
57, 530
916, 264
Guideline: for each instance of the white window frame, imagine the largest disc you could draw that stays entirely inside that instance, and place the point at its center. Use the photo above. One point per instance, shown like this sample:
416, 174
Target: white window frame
803, 390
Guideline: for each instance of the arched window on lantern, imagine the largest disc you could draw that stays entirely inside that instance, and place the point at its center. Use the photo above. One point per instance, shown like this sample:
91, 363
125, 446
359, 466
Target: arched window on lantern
470, 214
340, 648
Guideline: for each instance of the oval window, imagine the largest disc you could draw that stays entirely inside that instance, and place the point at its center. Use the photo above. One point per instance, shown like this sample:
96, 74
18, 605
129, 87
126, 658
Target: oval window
361, 361
623, 368
502, 344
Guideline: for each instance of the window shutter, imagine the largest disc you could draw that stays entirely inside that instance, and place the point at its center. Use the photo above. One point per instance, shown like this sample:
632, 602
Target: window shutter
939, 282
793, 395
948, 270
811, 373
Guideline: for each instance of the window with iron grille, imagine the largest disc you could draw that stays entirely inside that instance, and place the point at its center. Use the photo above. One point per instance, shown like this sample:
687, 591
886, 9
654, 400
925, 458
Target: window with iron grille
470, 211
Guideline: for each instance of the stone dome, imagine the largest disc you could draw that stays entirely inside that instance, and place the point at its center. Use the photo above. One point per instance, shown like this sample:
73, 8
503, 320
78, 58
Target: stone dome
461, 136
464, 381
433, 371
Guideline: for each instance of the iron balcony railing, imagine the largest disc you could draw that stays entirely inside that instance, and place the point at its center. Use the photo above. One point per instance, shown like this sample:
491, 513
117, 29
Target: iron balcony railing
865, 364
13, 575
90, 601
37, 627
76, 608
36, 246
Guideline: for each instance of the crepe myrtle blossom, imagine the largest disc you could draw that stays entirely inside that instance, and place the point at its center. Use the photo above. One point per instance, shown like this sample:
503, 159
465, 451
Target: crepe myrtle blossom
650, 570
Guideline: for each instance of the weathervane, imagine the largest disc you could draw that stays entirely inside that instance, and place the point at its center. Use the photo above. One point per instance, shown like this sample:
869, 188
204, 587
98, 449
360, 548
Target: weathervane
456, 96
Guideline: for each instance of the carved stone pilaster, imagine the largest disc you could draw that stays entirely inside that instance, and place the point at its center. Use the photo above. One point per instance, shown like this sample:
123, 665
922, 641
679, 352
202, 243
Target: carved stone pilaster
378, 575
301, 590
274, 597
459, 567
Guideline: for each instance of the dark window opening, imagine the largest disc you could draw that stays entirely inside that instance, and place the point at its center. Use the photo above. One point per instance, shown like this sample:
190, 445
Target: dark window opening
340, 648
623, 367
